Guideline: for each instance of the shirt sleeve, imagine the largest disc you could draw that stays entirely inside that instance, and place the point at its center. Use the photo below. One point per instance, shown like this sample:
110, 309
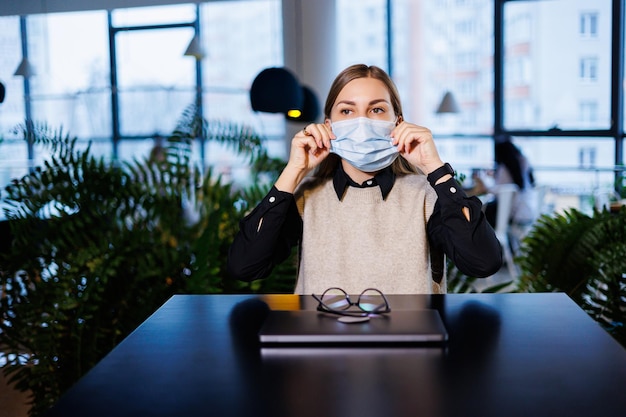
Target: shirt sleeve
472, 245
265, 238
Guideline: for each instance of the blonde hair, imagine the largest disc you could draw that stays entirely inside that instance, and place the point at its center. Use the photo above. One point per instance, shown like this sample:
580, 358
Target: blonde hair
327, 167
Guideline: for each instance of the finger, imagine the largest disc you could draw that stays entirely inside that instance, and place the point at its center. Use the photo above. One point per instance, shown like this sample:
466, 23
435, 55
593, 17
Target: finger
412, 136
404, 127
328, 135
306, 131
320, 133
402, 136
305, 142
305, 139
311, 144
399, 133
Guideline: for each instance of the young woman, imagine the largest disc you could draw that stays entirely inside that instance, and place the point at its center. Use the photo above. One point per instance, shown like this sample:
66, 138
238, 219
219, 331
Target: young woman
512, 167
378, 206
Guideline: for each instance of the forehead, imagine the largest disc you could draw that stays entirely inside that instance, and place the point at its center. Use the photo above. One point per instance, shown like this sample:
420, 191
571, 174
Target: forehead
364, 89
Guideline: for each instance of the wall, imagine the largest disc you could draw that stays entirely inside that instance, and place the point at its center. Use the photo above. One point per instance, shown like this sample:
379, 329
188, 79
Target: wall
309, 36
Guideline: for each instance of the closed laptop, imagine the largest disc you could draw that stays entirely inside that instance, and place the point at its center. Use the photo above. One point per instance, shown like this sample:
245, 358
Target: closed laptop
314, 327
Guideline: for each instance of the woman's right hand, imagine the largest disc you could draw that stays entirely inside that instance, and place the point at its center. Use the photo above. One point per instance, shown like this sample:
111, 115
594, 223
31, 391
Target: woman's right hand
309, 147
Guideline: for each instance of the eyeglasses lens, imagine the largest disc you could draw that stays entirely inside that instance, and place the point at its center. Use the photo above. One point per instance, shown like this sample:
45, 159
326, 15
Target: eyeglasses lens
371, 301
335, 299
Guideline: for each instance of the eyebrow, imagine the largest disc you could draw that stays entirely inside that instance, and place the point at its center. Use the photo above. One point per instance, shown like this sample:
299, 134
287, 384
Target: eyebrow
352, 103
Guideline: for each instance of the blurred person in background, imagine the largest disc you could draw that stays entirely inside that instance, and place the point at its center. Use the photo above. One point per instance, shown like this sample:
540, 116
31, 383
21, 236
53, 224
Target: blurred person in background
512, 167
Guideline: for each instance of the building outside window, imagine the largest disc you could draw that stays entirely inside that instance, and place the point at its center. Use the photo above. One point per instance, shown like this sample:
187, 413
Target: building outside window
588, 112
589, 69
589, 24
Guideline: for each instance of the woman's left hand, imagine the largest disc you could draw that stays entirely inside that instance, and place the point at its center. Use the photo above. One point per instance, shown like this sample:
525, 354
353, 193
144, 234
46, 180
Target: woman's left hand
416, 145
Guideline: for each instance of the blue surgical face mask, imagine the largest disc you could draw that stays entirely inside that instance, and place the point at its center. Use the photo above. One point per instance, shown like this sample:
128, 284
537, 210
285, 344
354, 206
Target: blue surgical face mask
365, 143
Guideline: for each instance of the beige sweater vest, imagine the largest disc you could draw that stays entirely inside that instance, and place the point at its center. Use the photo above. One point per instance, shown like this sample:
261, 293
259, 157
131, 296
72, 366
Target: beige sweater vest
364, 241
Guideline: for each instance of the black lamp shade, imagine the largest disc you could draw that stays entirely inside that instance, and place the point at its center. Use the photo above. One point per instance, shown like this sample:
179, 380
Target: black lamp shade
310, 109
276, 90
2, 91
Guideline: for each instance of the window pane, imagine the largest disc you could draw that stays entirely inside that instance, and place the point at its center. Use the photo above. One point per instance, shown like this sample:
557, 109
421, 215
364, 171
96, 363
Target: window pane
71, 86
141, 16
156, 82
573, 170
557, 70
233, 60
467, 154
444, 46
12, 109
235, 57
362, 33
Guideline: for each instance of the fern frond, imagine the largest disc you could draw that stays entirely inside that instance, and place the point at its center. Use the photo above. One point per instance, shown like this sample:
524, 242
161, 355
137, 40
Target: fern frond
584, 257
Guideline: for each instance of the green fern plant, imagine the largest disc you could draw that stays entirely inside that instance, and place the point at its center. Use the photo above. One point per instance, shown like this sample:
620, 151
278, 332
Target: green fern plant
582, 256
99, 246
221, 208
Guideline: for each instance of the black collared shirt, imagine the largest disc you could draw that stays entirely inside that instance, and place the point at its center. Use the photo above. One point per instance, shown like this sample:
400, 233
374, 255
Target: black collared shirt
385, 179
471, 245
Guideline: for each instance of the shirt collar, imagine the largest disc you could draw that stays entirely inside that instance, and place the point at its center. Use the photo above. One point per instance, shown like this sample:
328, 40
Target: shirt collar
384, 179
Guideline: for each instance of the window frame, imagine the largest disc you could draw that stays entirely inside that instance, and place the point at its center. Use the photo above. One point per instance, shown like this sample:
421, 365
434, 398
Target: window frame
615, 131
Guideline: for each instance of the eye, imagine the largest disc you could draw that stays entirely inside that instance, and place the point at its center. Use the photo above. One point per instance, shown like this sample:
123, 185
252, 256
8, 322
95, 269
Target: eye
378, 110
345, 111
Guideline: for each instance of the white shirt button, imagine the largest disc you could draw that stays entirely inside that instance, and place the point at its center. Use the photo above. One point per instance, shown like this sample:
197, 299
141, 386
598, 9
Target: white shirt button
272, 199
453, 190
369, 182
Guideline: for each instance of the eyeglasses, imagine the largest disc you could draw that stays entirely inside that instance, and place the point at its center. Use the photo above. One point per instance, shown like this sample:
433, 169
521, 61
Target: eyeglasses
336, 301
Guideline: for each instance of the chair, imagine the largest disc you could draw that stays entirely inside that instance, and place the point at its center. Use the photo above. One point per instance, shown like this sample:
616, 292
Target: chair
505, 194
517, 230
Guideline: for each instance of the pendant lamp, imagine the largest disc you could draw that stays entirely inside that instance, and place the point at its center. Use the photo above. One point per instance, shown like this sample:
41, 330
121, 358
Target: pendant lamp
309, 110
448, 104
24, 69
276, 90
195, 49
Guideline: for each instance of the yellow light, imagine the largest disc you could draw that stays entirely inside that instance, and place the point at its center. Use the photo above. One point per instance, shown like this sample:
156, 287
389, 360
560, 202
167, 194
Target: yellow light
294, 113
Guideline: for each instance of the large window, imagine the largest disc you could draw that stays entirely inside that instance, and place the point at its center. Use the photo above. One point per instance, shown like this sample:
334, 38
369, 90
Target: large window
559, 82
556, 77
12, 109
242, 39
368, 43
135, 84
13, 154
552, 77
155, 81
71, 85
436, 47
550, 86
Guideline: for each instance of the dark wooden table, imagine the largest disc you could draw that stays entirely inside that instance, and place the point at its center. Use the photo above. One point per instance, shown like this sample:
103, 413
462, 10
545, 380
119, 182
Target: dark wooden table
508, 355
